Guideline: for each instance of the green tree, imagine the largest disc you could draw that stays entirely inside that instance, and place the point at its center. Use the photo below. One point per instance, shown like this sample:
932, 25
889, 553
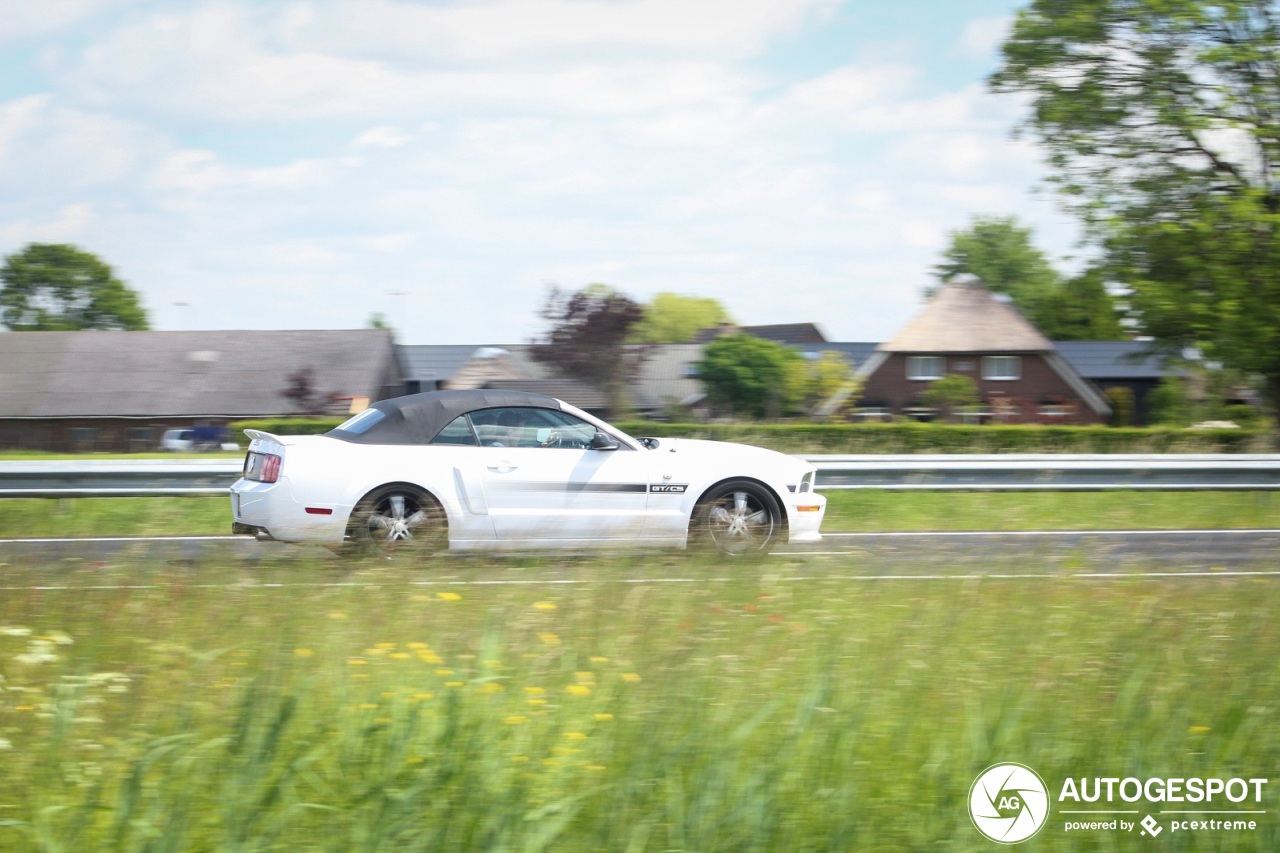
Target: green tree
674, 318
1161, 119
1000, 252
56, 287
950, 395
752, 377
832, 385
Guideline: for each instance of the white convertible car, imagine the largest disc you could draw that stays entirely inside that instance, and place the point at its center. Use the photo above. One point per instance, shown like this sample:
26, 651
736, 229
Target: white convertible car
474, 470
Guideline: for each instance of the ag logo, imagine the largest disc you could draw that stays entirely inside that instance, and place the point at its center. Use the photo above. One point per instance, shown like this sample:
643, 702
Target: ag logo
1009, 803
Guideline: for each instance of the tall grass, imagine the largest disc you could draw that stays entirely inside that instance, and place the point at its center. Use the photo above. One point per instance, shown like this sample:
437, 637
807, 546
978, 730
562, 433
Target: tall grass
746, 710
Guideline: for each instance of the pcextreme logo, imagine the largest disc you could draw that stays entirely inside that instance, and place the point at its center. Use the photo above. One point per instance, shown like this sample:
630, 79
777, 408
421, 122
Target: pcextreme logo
1009, 803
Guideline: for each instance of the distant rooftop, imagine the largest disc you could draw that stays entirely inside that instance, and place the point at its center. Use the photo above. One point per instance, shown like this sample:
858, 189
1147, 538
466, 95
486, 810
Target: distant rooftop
964, 316
782, 333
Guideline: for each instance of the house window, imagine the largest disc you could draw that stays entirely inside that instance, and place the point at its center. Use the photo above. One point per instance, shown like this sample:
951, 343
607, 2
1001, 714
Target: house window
82, 438
926, 367
1001, 367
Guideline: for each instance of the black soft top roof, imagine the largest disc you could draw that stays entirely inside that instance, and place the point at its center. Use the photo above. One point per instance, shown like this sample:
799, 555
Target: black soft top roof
417, 418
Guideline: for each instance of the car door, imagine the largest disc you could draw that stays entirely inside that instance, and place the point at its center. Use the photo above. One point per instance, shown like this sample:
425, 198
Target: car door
543, 480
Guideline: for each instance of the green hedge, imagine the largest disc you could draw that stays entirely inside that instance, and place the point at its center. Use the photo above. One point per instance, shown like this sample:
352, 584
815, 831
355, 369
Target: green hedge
286, 426
912, 437
909, 437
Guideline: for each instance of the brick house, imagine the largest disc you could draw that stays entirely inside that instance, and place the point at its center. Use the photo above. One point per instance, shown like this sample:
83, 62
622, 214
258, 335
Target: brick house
968, 330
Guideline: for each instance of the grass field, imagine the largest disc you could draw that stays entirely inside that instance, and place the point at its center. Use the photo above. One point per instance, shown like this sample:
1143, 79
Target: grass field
365, 709
658, 703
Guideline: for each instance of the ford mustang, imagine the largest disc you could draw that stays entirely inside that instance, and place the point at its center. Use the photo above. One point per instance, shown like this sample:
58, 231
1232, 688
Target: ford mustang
490, 469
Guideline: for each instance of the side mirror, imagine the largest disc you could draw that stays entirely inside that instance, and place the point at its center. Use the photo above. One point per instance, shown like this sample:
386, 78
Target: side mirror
603, 441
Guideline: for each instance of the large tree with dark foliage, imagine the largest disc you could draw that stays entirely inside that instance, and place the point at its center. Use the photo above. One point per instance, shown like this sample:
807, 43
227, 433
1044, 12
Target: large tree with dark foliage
1161, 119
56, 287
586, 335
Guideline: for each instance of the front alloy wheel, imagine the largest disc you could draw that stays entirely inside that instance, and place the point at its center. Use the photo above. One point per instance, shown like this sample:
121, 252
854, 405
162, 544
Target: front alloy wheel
738, 518
397, 519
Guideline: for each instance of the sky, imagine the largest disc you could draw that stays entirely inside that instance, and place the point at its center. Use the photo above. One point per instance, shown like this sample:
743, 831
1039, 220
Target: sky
311, 164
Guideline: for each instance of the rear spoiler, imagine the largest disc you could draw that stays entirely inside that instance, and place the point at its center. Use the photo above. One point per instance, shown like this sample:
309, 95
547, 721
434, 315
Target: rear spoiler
259, 435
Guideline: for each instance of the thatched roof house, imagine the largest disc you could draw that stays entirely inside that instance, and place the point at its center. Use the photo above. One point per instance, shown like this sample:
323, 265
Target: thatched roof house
967, 330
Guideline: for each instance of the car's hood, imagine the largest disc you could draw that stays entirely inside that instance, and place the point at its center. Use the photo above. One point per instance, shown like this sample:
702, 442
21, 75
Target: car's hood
706, 450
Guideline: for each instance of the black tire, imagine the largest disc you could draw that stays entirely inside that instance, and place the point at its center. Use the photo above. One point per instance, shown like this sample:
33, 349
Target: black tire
397, 521
737, 518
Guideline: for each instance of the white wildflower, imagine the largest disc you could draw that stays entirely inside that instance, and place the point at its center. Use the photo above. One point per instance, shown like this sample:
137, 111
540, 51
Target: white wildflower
38, 652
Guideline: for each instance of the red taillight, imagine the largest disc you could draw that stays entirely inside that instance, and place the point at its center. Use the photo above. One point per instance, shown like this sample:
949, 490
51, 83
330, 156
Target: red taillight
261, 467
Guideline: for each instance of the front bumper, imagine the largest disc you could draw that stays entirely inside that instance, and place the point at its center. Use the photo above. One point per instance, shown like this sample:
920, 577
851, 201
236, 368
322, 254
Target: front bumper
805, 512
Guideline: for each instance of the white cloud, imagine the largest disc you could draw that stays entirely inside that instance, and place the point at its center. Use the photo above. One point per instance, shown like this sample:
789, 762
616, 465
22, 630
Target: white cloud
46, 148
981, 37
386, 136
196, 171
314, 157
518, 28
66, 226
22, 19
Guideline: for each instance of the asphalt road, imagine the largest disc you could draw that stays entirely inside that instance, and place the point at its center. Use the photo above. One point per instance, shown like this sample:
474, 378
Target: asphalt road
1031, 553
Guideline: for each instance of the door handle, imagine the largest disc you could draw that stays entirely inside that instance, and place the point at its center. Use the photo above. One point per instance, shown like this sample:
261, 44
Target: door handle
503, 467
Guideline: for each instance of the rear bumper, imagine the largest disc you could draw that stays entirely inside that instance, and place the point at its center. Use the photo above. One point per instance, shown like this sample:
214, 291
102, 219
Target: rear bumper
239, 528
270, 511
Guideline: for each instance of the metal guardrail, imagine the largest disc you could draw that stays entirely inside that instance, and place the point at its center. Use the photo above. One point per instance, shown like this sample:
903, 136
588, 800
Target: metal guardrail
74, 478
1022, 472
1050, 472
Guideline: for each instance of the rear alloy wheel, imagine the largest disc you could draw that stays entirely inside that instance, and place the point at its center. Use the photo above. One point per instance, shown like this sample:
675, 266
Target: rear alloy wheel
396, 521
737, 518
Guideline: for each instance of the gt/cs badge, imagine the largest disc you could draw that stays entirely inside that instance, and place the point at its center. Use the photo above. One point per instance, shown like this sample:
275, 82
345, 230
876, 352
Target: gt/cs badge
669, 488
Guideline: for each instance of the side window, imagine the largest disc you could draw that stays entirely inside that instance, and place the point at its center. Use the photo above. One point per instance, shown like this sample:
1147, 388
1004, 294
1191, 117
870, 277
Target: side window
531, 427
457, 432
